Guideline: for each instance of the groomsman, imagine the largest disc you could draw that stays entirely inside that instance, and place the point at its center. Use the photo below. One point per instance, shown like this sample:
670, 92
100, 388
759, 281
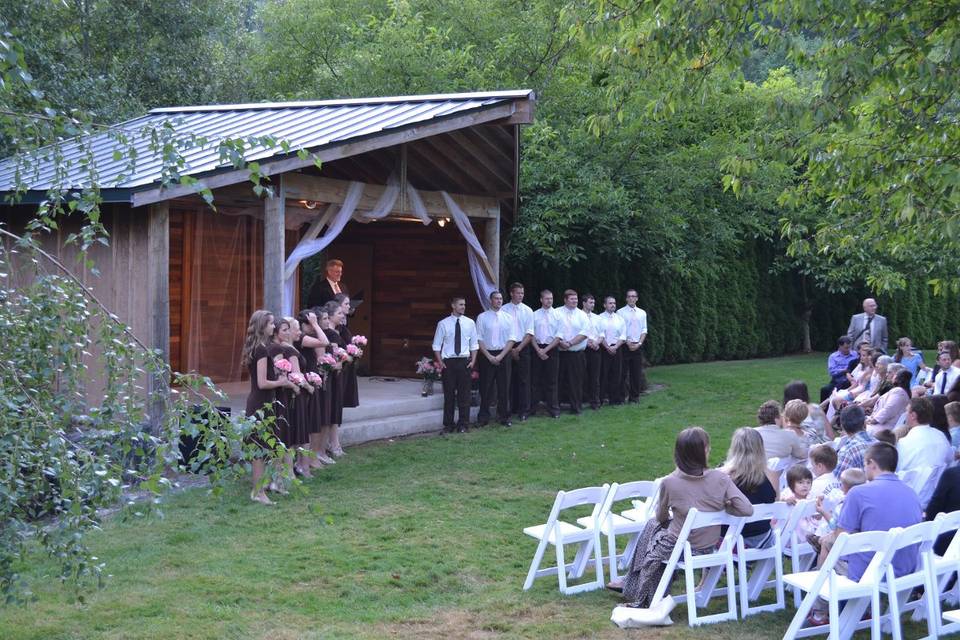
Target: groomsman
522, 351
573, 341
636, 321
613, 333
455, 347
546, 361
591, 387
495, 331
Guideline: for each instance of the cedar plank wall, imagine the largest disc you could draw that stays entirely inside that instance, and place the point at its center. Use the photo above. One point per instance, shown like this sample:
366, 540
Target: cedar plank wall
416, 270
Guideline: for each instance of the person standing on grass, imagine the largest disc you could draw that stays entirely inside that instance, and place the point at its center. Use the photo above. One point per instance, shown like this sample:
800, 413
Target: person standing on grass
592, 356
522, 352
613, 334
495, 333
546, 361
455, 347
869, 327
635, 320
573, 330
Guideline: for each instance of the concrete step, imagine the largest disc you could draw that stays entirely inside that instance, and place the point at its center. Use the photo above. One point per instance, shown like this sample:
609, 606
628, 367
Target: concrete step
374, 408
380, 428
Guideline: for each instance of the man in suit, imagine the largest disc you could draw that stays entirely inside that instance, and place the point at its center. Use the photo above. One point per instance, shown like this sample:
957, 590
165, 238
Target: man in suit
869, 327
325, 288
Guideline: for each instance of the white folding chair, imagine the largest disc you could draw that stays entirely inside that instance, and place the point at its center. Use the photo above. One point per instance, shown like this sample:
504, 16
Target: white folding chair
713, 564
919, 479
834, 588
613, 524
779, 466
801, 554
898, 589
944, 567
764, 561
559, 533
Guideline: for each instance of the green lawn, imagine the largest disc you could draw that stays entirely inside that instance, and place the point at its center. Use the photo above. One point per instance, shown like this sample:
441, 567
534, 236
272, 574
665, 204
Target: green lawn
413, 538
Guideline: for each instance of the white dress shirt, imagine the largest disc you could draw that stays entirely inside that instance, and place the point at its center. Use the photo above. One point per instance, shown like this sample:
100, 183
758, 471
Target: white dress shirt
612, 328
446, 333
573, 323
949, 375
495, 329
924, 446
546, 325
594, 331
334, 286
636, 321
522, 319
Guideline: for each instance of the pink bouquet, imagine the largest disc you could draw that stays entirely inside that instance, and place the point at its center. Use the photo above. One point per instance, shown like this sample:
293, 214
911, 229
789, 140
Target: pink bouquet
340, 354
297, 379
314, 378
353, 350
282, 364
328, 360
360, 341
427, 369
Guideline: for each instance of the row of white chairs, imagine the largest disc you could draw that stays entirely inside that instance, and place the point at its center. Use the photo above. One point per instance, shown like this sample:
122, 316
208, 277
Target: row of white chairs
748, 572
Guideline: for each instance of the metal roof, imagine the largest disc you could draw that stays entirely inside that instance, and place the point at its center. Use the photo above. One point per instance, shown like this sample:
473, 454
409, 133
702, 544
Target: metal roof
104, 159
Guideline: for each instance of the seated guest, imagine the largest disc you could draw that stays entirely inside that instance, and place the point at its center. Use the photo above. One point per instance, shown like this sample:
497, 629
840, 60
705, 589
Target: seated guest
910, 359
691, 485
945, 380
828, 513
795, 414
878, 381
777, 441
855, 440
886, 435
799, 483
822, 461
881, 504
859, 379
839, 364
891, 405
945, 499
747, 466
952, 409
923, 446
815, 421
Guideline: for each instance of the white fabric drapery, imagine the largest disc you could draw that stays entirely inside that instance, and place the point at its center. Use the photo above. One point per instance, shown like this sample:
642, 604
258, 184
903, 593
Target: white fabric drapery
480, 270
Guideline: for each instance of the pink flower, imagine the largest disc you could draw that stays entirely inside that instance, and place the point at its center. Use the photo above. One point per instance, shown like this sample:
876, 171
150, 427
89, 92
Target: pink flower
360, 341
328, 360
314, 378
352, 349
296, 379
283, 365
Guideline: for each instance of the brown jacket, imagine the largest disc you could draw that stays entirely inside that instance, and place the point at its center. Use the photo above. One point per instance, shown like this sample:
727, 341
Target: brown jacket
713, 491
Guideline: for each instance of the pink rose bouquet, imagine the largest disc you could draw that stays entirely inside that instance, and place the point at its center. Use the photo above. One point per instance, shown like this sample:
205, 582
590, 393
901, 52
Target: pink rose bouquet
427, 369
282, 364
353, 350
297, 379
314, 378
340, 354
360, 341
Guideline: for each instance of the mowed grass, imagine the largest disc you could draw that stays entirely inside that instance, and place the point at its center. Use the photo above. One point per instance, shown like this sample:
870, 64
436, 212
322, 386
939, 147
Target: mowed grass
412, 538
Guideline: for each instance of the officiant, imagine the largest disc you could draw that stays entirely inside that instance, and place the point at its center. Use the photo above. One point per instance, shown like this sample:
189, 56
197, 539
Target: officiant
324, 289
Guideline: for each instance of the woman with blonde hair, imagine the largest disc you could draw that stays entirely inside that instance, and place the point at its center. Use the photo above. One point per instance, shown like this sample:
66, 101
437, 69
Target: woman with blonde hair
747, 466
264, 382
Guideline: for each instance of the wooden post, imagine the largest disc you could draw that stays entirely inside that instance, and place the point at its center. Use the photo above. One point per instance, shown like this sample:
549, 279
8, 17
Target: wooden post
274, 251
491, 243
158, 297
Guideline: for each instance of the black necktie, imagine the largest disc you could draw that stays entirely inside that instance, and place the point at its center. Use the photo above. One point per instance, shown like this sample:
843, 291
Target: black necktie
456, 338
867, 330
943, 383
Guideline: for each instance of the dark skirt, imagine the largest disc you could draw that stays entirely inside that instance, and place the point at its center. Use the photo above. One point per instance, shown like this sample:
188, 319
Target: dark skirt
335, 391
262, 401
351, 391
286, 424
654, 547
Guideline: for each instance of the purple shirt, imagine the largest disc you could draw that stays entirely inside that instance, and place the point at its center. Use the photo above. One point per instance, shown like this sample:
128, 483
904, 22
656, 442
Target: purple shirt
880, 505
837, 363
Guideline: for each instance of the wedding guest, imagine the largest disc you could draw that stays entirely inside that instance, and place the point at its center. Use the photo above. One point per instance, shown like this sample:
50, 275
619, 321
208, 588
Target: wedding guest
822, 461
592, 354
495, 340
816, 421
613, 332
572, 329
952, 411
869, 326
777, 441
521, 354
455, 347
747, 467
635, 320
311, 345
546, 361
691, 485
891, 405
351, 389
795, 414
335, 318
910, 359
264, 382
839, 365
946, 378
923, 445
945, 499
855, 440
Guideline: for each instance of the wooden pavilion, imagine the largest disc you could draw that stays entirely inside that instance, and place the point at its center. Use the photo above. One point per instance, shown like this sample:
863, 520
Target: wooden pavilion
186, 277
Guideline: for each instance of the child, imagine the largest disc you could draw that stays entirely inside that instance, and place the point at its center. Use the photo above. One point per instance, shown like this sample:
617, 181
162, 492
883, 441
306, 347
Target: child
799, 481
829, 507
823, 460
795, 415
952, 409
886, 435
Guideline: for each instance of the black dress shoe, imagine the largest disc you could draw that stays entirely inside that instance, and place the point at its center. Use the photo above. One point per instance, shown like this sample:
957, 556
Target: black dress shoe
523, 417
506, 423
461, 429
554, 415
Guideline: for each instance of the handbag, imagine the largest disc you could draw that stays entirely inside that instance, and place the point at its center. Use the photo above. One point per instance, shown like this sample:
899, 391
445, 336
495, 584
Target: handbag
658, 615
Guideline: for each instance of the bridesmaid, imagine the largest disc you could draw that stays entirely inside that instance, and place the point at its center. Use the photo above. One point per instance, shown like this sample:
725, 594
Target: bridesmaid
285, 399
263, 385
351, 392
334, 320
311, 344
304, 404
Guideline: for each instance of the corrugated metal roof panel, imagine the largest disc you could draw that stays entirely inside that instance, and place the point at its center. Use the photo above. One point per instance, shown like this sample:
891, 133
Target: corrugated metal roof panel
303, 125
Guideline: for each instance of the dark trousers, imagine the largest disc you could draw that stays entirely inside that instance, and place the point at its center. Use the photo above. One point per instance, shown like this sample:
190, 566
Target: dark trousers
456, 392
591, 378
572, 365
836, 383
633, 379
520, 381
494, 376
611, 375
545, 373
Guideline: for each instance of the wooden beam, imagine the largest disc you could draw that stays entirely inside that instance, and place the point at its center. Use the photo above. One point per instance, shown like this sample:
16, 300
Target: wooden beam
491, 243
158, 302
274, 249
333, 152
299, 186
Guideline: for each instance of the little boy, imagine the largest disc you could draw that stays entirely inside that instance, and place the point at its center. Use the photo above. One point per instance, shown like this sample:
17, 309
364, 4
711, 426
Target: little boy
829, 506
823, 460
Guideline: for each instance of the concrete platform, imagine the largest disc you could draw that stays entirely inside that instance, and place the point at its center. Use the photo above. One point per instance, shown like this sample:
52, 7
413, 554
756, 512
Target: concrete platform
389, 407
